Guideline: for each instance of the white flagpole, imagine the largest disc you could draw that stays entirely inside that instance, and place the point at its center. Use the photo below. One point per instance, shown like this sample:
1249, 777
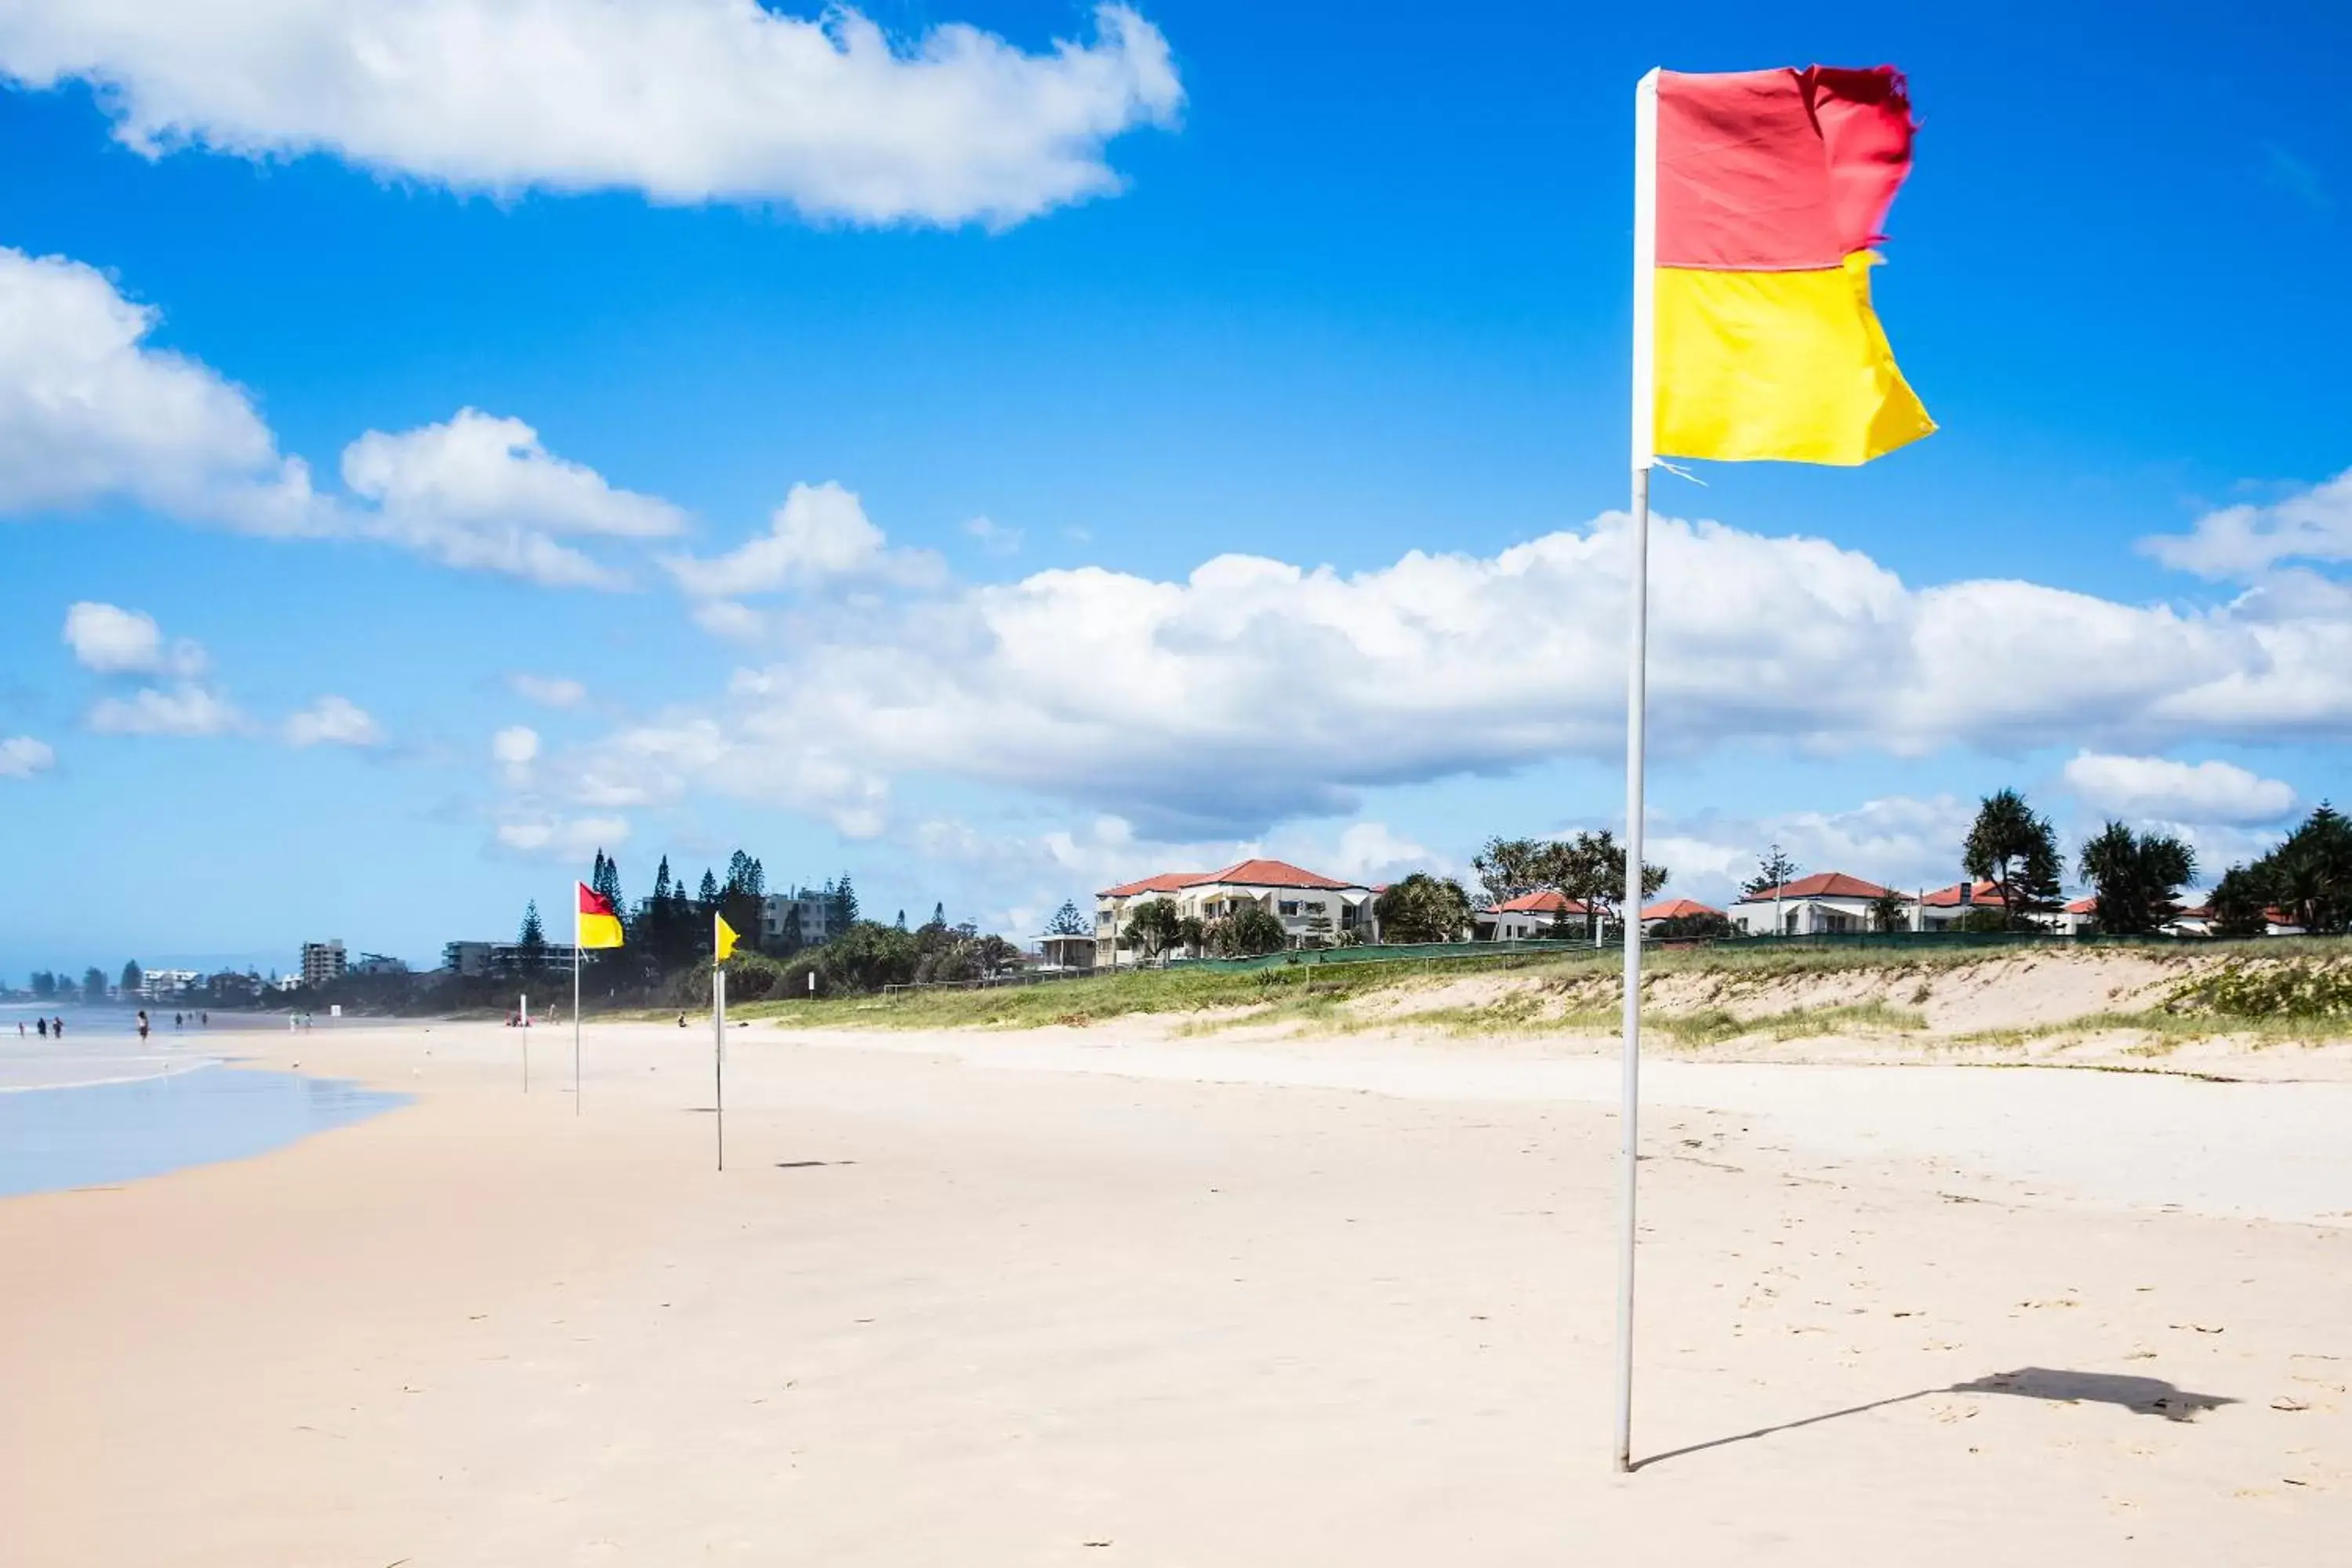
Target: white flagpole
526, 1042
1646, 247
718, 1054
576, 1001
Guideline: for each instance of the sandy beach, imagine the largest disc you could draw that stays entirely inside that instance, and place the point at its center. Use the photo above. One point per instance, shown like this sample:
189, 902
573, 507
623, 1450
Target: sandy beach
1107, 1296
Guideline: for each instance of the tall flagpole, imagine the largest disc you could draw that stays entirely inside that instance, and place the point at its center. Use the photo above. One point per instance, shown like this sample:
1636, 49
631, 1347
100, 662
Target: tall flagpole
718, 1054
1629, 1116
575, 1002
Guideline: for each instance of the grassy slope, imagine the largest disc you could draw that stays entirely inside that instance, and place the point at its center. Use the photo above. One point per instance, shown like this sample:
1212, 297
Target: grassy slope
1580, 993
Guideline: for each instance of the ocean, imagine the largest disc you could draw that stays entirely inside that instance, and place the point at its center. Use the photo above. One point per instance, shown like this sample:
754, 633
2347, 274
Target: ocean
100, 1108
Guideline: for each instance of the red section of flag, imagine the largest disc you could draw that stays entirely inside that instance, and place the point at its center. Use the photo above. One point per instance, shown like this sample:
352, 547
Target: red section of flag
1778, 171
592, 902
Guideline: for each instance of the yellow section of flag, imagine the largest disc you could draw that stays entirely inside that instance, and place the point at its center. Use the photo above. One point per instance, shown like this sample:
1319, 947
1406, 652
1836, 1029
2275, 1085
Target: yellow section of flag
1789, 366
724, 935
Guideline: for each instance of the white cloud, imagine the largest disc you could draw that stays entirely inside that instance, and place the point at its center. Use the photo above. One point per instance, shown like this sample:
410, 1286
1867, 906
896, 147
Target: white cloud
732, 621
686, 100
994, 536
1371, 852
185, 709
2144, 788
515, 749
1255, 689
480, 492
2244, 541
563, 838
21, 757
820, 534
547, 691
88, 414
334, 722
116, 641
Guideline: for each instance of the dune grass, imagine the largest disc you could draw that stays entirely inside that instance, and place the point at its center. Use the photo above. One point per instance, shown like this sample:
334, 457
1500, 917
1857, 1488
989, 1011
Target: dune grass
1571, 992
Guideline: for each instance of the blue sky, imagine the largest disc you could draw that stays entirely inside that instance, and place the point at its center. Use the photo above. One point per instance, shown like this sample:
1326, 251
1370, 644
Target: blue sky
1317, 286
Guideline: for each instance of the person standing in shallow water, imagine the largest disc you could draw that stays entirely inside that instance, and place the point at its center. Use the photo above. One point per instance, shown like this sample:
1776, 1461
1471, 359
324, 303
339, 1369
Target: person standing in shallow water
41, 1027
143, 1023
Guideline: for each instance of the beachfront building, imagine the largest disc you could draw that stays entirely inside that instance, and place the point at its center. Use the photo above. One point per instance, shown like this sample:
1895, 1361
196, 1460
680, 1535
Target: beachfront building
803, 918
1675, 910
1315, 910
378, 964
473, 960
322, 963
1823, 902
163, 984
1539, 916
1060, 953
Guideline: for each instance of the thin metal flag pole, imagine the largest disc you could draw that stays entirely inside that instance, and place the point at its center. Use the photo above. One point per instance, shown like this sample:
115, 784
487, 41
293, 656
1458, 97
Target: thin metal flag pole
1646, 170
526, 1042
575, 1009
718, 1054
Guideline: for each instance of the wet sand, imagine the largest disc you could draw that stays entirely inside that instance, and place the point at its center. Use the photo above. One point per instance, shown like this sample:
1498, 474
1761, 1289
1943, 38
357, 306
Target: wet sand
1081, 1297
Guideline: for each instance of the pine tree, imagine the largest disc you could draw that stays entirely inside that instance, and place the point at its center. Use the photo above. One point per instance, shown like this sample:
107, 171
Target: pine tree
1066, 920
530, 943
902, 919
940, 913
131, 977
845, 898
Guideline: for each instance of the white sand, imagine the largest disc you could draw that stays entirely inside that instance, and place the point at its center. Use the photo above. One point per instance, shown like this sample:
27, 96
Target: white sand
1342, 1302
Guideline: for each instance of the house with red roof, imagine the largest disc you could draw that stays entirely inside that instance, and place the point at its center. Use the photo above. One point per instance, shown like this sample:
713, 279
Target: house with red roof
1530, 915
1810, 906
1674, 910
1315, 910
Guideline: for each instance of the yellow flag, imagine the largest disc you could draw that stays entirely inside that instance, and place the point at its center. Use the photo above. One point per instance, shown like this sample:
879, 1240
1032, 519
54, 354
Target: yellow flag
725, 935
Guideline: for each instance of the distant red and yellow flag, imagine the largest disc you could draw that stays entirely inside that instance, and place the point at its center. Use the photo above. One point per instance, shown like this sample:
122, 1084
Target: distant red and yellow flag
1770, 187
600, 923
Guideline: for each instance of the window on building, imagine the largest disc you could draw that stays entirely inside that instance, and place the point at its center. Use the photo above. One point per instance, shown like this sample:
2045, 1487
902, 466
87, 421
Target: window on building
1290, 905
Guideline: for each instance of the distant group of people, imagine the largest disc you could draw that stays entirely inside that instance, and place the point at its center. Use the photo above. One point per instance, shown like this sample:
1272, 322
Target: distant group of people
48, 1028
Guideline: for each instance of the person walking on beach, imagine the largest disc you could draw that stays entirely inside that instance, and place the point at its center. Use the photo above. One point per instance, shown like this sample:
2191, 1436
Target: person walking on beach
143, 1023
57, 1028
41, 1026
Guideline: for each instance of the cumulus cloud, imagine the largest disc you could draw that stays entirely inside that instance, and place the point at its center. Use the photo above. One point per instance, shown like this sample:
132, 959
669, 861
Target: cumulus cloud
684, 100
515, 747
547, 691
2243, 541
480, 492
21, 757
820, 534
2158, 788
116, 641
563, 837
185, 709
332, 722
1255, 689
89, 413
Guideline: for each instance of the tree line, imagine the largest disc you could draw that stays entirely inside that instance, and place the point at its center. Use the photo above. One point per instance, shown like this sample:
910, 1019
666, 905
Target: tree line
666, 955
2136, 877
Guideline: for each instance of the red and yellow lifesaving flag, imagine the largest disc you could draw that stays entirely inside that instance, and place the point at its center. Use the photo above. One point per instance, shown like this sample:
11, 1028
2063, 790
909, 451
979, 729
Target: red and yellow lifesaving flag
599, 922
1760, 194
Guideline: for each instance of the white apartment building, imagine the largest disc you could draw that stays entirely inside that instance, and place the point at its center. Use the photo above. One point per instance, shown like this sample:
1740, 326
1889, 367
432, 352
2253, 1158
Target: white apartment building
1313, 908
163, 984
